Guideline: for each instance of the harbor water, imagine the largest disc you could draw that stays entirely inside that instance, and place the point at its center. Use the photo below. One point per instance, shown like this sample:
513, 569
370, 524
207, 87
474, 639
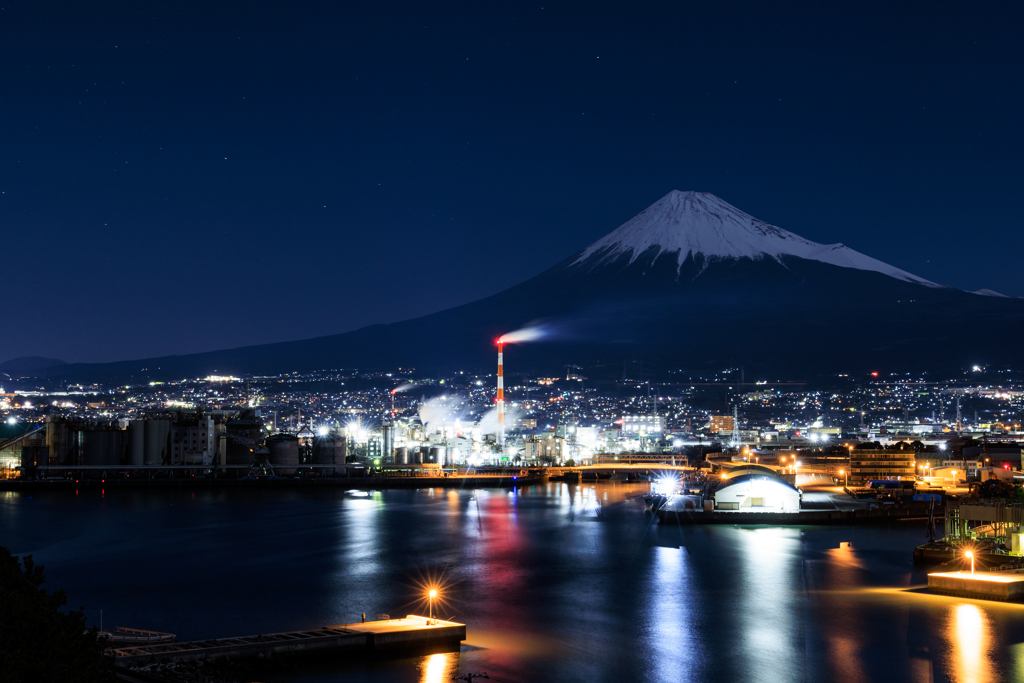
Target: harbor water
556, 582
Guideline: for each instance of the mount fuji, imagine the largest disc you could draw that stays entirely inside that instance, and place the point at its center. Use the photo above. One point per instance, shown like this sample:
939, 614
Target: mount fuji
693, 225
690, 282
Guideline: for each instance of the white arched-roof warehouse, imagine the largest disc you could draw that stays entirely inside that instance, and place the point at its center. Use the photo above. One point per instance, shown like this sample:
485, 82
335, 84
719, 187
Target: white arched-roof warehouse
757, 492
748, 468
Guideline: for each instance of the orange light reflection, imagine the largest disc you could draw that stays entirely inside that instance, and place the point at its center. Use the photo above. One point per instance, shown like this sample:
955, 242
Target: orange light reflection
440, 667
970, 654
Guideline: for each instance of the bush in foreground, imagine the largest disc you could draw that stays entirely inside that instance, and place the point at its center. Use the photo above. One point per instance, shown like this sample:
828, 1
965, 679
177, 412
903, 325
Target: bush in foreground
38, 641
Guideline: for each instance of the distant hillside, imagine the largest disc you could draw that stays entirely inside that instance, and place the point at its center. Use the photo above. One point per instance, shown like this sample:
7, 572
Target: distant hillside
27, 365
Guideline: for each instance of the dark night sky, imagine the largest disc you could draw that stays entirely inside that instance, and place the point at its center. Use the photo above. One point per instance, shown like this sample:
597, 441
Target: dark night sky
180, 177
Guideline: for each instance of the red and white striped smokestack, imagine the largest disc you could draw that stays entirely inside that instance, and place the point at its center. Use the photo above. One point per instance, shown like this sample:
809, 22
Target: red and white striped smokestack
501, 398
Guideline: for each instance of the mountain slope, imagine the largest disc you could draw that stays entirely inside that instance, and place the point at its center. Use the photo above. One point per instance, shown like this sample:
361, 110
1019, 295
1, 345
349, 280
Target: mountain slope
27, 365
690, 282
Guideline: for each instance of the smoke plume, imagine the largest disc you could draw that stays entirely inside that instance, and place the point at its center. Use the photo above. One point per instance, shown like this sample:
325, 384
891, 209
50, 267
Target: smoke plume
442, 411
525, 334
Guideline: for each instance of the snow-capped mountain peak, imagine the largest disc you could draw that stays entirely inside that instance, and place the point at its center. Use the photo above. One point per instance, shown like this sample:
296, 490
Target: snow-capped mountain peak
689, 223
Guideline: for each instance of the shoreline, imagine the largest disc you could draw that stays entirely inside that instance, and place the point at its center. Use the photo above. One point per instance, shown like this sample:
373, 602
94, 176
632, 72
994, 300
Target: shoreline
364, 483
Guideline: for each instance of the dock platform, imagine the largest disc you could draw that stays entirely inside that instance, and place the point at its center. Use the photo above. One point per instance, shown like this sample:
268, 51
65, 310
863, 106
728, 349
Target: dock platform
1001, 586
413, 633
880, 515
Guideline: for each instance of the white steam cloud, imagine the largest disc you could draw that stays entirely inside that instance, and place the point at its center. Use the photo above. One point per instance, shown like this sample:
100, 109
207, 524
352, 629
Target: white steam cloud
442, 411
404, 387
488, 422
525, 334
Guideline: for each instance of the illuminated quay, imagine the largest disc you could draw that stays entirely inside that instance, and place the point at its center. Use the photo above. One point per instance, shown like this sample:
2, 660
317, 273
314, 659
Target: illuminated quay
1004, 586
413, 633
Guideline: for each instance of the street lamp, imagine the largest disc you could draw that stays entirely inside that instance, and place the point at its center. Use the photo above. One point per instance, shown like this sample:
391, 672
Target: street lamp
846, 478
970, 555
433, 594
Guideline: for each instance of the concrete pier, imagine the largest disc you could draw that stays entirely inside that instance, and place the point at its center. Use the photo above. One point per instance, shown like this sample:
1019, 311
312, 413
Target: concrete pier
882, 515
412, 633
1002, 586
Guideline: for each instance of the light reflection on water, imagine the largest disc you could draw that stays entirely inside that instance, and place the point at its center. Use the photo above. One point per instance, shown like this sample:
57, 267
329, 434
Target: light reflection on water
970, 645
769, 641
440, 667
671, 634
557, 582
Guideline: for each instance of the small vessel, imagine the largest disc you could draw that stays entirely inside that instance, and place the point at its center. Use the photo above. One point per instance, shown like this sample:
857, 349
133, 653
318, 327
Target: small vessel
135, 636
654, 500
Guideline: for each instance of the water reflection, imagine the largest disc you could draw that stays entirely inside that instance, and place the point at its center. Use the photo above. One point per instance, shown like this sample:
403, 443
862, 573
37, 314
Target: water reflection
769, 638
671, 636
360, 518
439, 667
969, 635
615, 597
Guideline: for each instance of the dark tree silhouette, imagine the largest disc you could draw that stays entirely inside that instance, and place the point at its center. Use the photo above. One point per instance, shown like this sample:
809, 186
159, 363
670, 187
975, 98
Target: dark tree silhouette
39, 642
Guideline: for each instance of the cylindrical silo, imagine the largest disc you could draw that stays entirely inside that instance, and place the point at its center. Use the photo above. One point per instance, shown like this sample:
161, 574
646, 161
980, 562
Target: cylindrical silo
284, 454
388, 443
158, 442
401, 455
340, 455
101, 448
323, 450
136, 442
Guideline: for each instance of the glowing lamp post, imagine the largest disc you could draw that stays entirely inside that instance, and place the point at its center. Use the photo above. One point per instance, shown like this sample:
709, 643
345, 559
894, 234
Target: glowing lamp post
846, 478
970, 555
433, 594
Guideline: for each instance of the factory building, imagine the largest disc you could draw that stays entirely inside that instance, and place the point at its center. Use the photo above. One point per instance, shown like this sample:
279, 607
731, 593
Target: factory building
873, 464
192, 442
244, 436
374, 449
19, 441
718, 424
459, 449
1001, 455
545, 448
757, 491
634, 426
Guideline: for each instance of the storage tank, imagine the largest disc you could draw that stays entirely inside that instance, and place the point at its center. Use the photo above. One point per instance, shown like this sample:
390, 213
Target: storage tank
102, 447
387, 451
136, 442
340, 454
323, 450
62, 441
401, 455
284, 454
158, 442
437, 454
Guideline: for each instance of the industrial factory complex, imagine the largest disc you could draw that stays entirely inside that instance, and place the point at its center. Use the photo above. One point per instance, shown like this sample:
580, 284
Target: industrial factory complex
349, 423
